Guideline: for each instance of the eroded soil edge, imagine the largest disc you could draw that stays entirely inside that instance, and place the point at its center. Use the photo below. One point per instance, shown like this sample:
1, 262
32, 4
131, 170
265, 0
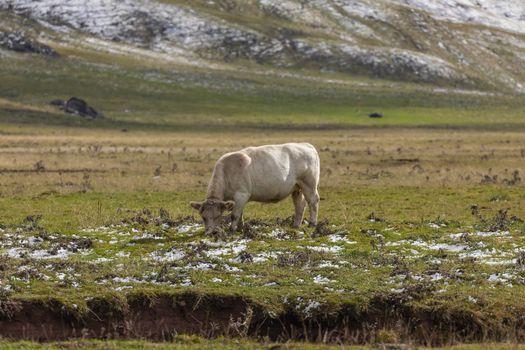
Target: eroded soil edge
162, 317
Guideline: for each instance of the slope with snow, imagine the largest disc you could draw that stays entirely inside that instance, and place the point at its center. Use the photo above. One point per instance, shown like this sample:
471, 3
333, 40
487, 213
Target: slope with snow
454, 42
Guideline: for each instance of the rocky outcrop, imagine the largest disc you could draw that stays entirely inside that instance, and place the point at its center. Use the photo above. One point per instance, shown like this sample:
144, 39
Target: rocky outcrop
19, 42
77, 106
383, 63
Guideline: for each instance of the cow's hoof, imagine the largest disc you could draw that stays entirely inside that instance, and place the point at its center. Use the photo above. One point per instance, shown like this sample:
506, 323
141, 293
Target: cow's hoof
312, 224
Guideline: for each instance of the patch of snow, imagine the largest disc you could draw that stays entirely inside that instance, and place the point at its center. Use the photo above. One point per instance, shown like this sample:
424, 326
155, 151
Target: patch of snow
147, 235
186, 283
436, 225
327, 264
343, 11
121, 288
503, 278
397, 290
127, 280
310, 307
480, 234
483, 254
61, 253
277, 233
462, 92
31, 241
321, 280
496, 262
201, 266
230, 248
294, 11
438, 246
335, 238
265, 256
169, 256
507, 15
436, 276
325, 249
168, 26
189, 228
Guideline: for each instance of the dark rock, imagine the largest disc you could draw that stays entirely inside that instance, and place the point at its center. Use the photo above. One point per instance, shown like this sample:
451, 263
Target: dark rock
375, 115
18, 41
80, 107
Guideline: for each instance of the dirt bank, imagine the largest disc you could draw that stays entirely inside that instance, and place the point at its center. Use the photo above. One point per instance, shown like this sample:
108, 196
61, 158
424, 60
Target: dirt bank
163, 316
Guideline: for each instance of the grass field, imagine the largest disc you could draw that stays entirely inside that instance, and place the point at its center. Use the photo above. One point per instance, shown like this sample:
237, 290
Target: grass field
191, 343
422, 234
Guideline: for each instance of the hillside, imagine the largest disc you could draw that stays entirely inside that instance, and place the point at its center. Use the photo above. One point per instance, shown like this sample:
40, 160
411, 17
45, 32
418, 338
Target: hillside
456, 43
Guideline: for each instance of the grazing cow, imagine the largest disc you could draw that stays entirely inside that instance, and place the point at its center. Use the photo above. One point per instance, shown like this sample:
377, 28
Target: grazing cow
266, 174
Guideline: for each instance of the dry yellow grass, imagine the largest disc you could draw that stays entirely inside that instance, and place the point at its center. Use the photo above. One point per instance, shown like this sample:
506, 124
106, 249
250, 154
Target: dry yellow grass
115, 161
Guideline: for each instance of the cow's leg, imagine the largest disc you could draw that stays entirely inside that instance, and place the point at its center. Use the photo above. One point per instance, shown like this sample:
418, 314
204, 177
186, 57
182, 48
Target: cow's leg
299, 203
309, 189
238, 208
241, 222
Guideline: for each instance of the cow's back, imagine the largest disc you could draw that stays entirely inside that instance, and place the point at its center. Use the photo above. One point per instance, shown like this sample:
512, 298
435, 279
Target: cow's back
273, 170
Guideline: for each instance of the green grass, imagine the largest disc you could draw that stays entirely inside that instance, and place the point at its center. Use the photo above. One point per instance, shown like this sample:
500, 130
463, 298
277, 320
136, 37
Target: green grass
371, 257
177, 99
183, 343
343, 206
192, 343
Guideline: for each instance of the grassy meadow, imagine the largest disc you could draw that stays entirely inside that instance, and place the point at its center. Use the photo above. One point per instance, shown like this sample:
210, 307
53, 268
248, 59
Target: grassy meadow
421, 211
190, 343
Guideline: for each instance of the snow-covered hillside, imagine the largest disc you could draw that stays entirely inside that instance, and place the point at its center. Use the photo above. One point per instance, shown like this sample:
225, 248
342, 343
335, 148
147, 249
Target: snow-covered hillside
454, 42
503, 14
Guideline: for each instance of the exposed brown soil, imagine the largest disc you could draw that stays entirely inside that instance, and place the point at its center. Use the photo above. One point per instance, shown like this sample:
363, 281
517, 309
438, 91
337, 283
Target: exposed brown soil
164, 316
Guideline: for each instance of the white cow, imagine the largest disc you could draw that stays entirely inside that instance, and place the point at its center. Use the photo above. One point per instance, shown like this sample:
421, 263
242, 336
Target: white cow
265, 174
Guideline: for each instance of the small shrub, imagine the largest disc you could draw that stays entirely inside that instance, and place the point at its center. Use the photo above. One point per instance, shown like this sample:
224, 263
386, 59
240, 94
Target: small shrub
387, 336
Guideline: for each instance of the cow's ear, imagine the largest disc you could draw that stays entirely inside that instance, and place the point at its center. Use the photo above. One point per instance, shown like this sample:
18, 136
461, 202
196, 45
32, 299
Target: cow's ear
228, 205
196, 205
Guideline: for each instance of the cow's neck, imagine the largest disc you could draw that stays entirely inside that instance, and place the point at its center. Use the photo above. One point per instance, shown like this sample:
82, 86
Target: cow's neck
217, 184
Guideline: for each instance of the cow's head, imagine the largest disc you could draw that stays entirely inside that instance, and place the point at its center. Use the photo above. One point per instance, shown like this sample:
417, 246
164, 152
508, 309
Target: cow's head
211, 211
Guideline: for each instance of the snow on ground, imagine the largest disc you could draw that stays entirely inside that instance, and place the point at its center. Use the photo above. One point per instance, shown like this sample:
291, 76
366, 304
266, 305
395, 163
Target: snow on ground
323, 248
507, 14
38, 254
184, 256
137, 21
169, 256
294, 11
336, 238
189, 228
188, 35
461, 245
229, 248
481, 234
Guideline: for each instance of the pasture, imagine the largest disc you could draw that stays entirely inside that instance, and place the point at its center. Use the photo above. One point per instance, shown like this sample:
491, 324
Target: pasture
421, 229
